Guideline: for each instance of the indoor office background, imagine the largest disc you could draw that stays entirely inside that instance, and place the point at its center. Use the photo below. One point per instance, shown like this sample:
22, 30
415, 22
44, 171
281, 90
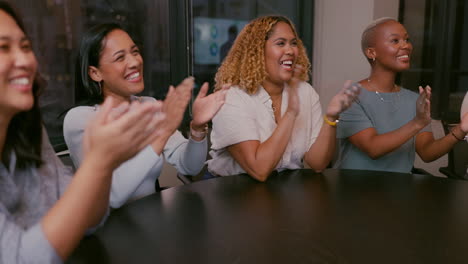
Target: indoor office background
56, 26
185, 37
163, 29
439, 31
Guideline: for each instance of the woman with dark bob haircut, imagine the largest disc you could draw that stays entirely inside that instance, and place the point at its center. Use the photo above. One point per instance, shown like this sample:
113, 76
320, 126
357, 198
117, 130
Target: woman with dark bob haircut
109, 64
44, 211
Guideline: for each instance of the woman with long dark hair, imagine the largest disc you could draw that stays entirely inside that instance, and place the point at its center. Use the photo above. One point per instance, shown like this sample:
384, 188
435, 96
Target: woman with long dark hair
109, 64
44, 212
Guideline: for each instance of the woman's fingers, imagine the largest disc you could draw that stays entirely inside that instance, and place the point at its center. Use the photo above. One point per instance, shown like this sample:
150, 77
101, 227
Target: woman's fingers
171, 91
186, 85
298, 70
184, 90
158, 117
105, 109
428, 92
428, 106
423, 105
344, 98
203, 90
136, 117
154, 130
176, 103
140, 123
351, 91
422, 96
118, 111
107, 113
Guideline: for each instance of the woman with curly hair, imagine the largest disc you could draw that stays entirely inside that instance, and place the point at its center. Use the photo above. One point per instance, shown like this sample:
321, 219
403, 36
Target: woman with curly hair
44, 211
272, 118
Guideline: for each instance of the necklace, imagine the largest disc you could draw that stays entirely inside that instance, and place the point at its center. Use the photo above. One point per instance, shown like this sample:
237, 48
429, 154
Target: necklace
394, 92
274, 108
277, 105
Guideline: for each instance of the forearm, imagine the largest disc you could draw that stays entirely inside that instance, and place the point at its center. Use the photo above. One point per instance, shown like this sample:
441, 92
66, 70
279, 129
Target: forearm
322, 150
193, 157
131, 174
82, 206
377, 145
160, 142
429, 149
261, 161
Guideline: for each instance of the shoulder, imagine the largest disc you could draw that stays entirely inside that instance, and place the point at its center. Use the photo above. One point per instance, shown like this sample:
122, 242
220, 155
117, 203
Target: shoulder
237, 95
305, 86
80, 111
237, 103
78, 117
305, 90
237, 91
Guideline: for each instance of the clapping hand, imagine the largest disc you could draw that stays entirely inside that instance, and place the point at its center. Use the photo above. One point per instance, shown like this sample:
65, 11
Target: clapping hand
116, 136
294, 103
423, 106
343, 99
205, 107
175, 104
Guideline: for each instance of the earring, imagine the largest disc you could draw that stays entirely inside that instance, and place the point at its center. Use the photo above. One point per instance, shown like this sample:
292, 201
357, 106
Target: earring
100, 88
373, 59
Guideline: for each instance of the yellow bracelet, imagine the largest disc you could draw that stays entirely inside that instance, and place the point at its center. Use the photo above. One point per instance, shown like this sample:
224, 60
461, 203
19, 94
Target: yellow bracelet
330, 122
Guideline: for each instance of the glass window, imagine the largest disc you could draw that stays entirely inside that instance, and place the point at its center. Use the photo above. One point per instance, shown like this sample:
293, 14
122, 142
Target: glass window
217, 22
177, 38
56, 26
439, 32
459, 70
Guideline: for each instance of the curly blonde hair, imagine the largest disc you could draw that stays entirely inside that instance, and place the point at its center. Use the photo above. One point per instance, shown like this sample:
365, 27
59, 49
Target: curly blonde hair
244, 65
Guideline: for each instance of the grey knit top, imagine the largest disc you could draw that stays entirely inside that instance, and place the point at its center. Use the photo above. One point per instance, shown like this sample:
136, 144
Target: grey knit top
25, 196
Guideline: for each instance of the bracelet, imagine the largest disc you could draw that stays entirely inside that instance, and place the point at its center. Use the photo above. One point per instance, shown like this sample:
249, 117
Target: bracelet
453, 134
331, 123
199, 134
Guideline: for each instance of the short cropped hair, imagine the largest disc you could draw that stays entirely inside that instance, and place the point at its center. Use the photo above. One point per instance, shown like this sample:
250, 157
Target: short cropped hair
369, 32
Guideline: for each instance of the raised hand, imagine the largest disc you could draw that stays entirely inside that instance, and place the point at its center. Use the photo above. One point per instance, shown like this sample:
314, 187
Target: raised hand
175, 104
116, 136
293, 98
423, 106
343, 99
205, 107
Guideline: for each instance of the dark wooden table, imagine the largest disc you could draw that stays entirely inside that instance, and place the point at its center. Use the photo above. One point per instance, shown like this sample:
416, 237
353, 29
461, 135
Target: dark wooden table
295, 217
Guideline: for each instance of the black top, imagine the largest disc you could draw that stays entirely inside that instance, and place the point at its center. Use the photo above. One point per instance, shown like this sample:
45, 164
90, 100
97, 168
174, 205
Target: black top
295, 217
